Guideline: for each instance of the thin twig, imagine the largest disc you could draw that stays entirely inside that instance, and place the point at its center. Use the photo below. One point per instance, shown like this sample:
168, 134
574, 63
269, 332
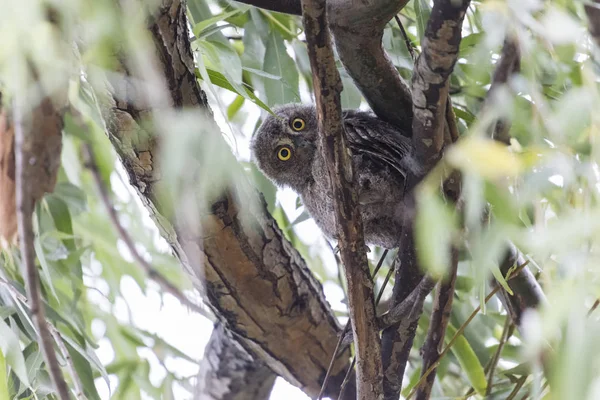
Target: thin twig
409, 44
460, 331
347, 377
79, 393
517, 387
385, 282
506, 333
332, 361
90, 163
347, 326
24, 163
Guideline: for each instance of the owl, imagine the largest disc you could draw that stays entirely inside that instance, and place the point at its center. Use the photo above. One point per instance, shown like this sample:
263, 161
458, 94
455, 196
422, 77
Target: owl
285, 150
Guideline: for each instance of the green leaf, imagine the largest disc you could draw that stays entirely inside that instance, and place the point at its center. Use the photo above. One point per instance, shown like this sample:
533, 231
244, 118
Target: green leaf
468, 360
464, 115
9, 344
422, 12
436, 226
277, 62
212, 30
218, 79
222, 57
235, 106
84, 371
202, 25
262, 73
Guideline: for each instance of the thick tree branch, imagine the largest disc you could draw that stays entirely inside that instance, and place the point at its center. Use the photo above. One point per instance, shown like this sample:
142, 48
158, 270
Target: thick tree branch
228, 372
430, 93
255, 280
358, 29
332, 144
430, 79
442, 307
37, 158
397, 340
374, 74
283, 6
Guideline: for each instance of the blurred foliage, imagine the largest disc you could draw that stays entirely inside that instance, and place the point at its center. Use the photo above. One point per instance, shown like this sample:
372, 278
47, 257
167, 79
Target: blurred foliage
543, 191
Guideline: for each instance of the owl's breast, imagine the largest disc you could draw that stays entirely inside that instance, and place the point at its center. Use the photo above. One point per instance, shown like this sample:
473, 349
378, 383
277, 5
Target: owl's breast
318, 202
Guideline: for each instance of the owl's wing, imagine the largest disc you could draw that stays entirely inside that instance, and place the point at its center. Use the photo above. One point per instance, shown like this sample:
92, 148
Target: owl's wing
382, 142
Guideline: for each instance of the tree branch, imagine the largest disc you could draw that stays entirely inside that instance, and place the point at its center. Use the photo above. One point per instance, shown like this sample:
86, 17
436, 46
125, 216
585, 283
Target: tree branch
527, 292
37, 158
255, 280
397, 340
283, 6
332, 144
440, 316
430, 79
228, 372
430, 93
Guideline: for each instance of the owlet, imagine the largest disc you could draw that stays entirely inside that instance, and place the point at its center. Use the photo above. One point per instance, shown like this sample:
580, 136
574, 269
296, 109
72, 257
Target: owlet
285, 150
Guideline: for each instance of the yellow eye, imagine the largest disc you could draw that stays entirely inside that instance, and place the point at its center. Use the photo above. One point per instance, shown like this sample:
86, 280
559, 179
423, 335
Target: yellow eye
298, 124
284, 153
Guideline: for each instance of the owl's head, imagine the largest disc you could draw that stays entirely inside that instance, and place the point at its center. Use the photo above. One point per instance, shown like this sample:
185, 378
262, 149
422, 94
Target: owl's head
284, 146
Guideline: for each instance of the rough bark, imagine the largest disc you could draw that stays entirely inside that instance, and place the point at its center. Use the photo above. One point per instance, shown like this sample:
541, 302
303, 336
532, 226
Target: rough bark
228, 372
397, 340
332, 144
440, 316
255, 280
430, 93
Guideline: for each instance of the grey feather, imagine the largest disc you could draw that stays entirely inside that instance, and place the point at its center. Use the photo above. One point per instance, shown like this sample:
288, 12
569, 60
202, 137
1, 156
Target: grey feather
380, 156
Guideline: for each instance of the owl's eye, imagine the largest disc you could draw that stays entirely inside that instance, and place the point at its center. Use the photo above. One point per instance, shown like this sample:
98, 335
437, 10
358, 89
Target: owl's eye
298, 124
284, 153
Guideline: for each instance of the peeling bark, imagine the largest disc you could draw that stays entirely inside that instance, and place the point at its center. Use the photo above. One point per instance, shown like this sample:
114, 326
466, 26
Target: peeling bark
228, 372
